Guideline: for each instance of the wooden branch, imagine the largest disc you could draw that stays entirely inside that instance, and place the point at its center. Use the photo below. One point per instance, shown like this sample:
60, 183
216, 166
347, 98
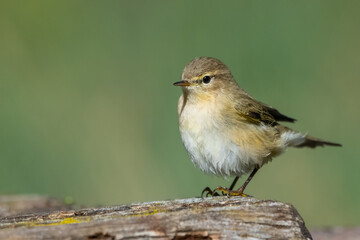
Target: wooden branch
195, 218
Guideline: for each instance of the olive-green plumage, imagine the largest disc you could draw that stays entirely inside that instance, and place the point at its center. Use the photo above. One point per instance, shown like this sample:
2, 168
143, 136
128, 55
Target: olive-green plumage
225, 130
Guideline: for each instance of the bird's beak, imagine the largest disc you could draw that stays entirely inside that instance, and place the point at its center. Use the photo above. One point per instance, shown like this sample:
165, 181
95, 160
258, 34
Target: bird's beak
182, 83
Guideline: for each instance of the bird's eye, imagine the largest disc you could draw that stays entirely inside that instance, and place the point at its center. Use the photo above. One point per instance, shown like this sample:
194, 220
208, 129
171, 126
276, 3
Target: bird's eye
206, 79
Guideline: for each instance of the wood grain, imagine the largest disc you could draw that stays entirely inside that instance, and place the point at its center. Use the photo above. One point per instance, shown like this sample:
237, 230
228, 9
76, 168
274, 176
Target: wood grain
195, 218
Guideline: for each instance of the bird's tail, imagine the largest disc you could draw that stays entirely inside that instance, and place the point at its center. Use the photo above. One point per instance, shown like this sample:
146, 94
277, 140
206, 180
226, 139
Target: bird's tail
292, 138
313, 142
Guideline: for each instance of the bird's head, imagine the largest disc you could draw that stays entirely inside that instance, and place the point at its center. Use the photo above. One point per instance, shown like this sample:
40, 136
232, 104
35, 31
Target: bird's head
205, 75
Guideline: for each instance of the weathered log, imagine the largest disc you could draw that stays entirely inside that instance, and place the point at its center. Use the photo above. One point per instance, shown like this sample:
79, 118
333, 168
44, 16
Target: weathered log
195, 218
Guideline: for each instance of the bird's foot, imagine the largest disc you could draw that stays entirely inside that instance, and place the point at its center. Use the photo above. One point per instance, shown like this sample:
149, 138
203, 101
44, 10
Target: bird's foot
229, 193
224, 191
208, 192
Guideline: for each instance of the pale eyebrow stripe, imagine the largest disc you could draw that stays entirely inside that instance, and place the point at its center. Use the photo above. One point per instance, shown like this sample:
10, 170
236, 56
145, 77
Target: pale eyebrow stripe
203, 75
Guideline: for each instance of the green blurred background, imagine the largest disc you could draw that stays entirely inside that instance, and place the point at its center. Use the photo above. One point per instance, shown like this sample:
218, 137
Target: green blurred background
88, 109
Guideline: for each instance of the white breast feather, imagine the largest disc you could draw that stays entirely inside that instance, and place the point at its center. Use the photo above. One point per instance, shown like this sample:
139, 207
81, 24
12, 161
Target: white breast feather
209, 149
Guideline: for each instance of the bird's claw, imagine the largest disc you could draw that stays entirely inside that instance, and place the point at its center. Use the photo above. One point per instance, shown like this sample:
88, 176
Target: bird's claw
225, 192
209, 192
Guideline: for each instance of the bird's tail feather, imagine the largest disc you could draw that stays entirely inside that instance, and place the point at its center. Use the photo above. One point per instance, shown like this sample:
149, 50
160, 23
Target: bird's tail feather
292, 138
313, 142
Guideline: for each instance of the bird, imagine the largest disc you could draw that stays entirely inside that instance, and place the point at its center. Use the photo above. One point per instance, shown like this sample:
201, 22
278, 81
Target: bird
226, 131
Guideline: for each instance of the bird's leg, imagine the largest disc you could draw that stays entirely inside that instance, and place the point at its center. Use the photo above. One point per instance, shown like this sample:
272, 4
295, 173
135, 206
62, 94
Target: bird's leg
225, 190
210, 192
240, 192
234, 183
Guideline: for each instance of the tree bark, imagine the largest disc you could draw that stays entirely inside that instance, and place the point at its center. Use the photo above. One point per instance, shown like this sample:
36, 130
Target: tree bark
195, 218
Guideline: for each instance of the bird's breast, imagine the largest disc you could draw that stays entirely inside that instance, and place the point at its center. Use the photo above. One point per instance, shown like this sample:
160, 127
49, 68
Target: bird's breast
203, 132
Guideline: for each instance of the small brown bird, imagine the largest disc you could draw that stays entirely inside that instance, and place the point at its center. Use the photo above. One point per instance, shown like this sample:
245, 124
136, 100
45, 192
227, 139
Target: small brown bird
225, 130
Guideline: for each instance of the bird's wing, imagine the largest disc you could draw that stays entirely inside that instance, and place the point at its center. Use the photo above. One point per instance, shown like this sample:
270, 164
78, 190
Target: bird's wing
257, 112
